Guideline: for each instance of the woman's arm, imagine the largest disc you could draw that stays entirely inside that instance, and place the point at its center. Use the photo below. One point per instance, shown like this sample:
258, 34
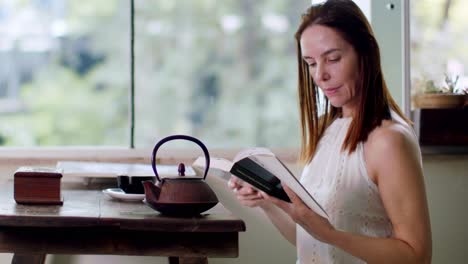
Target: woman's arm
282, 221
249, 196
393, 160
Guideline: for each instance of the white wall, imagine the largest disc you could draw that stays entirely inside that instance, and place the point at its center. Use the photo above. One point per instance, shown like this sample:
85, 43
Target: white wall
388, 28
447, 185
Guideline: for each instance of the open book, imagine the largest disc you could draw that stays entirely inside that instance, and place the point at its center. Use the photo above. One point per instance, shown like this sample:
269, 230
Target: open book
262, 169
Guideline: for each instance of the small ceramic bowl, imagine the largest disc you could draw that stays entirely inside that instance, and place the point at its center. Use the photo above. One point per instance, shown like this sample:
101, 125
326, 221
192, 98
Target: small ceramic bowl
133, 184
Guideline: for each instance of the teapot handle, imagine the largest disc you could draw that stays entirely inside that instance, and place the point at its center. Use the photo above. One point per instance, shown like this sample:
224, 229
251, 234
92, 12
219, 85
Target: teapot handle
189, 138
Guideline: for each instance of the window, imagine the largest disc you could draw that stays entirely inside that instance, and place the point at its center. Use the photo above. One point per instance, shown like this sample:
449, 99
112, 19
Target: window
223, 71
438, 42
64, 72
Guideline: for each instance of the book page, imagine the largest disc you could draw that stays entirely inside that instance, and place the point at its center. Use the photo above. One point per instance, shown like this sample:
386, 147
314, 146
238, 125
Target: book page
219, 167
253, 152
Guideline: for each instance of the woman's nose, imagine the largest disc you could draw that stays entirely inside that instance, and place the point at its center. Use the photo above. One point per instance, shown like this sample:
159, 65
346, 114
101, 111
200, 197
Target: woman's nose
321, 73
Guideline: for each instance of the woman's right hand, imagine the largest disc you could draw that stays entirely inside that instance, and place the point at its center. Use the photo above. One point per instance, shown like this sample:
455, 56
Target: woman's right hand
245, 193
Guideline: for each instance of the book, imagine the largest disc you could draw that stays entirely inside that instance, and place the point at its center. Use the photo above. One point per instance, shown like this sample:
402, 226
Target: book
264, 171
114, 169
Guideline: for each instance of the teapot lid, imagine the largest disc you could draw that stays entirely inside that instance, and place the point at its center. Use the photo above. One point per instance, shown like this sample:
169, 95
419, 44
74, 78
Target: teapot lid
185, 137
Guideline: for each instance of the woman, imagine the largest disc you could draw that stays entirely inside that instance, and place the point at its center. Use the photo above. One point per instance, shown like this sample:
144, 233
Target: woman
363, 163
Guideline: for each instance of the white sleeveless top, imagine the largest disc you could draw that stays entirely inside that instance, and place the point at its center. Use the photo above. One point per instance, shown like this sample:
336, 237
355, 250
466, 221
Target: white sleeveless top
340, 183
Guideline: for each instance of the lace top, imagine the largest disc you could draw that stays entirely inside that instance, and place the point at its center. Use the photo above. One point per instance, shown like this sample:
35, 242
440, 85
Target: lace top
340, 183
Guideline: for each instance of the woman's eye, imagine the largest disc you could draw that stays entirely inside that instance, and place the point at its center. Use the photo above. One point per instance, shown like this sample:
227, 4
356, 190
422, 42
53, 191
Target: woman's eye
312, 64
334, 59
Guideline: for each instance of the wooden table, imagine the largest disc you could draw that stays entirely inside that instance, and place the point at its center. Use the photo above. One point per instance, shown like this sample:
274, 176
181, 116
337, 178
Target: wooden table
89, 222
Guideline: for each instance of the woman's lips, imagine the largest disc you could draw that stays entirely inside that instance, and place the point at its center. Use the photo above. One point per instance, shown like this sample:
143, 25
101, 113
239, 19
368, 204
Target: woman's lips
331, 91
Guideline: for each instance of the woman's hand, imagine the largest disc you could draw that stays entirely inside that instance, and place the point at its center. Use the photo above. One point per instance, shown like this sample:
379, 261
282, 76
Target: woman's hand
314, 224
245, 193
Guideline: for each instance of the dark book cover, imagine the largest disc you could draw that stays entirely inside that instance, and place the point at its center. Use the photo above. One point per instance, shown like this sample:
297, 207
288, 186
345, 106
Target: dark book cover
257, 176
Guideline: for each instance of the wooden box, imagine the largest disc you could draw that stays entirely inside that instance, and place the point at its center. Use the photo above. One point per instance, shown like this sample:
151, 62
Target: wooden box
38, 185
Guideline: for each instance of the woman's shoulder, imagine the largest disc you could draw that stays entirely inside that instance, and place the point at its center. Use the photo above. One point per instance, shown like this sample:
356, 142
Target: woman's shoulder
389, 135
389, 142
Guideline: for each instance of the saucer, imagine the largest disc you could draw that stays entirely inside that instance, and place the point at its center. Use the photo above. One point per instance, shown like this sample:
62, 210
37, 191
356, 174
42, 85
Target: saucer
117, 193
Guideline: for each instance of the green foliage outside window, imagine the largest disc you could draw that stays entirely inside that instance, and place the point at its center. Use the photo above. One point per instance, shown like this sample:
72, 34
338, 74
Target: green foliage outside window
223, 71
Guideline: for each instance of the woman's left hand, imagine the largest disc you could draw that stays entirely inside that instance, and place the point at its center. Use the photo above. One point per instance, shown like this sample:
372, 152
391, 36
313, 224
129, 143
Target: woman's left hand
316, 225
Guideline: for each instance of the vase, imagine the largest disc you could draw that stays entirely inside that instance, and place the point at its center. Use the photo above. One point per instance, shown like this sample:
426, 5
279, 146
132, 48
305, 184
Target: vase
439, 100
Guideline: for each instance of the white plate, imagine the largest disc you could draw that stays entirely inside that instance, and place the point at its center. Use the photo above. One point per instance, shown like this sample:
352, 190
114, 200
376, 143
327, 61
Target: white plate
117, 193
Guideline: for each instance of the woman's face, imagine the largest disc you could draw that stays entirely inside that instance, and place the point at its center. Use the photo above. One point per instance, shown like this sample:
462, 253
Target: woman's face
333, 64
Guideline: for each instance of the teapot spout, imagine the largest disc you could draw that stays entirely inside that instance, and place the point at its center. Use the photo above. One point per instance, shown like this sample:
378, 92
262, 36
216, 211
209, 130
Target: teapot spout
152, 191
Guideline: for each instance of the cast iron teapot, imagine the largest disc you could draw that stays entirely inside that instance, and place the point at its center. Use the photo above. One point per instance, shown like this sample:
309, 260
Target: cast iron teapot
181, 196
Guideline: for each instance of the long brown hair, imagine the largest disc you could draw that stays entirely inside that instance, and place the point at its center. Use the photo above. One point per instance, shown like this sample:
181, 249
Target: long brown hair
375, 102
